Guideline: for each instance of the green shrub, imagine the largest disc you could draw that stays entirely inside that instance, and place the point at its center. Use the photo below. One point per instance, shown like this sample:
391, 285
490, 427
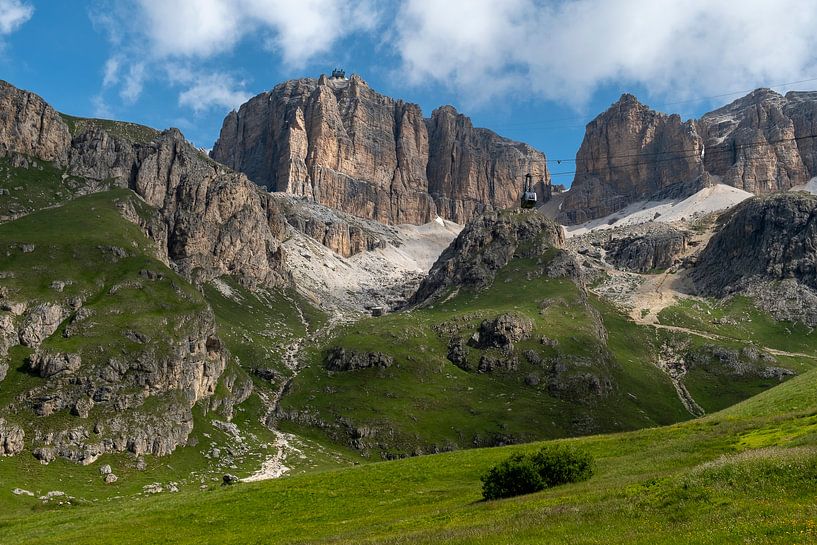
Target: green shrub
523, 474
560, 464
512, 477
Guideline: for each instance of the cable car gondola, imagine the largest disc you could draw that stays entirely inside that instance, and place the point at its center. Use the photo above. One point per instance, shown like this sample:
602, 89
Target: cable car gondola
528, 194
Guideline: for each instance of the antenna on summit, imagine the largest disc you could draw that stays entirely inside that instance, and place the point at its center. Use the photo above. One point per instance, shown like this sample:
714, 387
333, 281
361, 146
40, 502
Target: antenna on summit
338, 73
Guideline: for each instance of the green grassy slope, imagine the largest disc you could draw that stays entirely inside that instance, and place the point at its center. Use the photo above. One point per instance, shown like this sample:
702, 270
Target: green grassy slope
101, 257
703, 481
41, 185
424, 403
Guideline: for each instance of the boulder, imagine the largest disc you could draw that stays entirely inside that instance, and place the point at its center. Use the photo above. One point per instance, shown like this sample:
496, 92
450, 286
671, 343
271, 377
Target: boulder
50, 364
12, 438
504, 330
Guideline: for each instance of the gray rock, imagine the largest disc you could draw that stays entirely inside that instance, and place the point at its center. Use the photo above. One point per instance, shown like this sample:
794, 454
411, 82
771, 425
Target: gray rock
341, 359
22, 492
12, 438
489, 364
767, 249
504, 330
105, 470
655, 249
50, 364
110, 478
229, 479
485, 245
40, 323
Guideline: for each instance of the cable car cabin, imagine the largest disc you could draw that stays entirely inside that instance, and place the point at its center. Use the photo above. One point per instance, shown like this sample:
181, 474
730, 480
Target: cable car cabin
529, 199
528, 194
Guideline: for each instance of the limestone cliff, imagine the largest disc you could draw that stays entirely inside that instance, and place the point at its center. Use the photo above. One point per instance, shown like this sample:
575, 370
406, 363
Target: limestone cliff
760, 143
629, 152
340, 143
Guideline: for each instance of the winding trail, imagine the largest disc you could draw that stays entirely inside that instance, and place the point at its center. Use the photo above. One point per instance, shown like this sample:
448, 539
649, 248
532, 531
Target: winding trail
274, 467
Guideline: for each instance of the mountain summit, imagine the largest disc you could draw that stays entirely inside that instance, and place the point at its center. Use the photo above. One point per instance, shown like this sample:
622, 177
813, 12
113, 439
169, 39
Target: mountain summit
342, 144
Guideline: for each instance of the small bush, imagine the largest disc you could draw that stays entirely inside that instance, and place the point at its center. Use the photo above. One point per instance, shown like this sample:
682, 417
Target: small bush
560, 464
523, 474
512, 477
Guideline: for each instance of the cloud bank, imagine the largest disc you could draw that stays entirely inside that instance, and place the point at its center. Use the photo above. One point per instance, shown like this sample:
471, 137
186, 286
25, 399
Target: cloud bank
565, 51
197, 31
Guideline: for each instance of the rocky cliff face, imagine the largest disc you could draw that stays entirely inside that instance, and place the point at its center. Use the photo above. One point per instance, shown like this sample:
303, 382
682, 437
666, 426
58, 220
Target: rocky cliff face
766, 249
211, 221
342, 144
30, 126
759, 143
485, 245
629, 152
122, 358
644, 250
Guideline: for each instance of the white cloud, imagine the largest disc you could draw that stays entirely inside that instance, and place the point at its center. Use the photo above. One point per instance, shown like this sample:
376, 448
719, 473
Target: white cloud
566, 50
209, 90
133, 83
101, 108
299, 30
13, 14
111, 72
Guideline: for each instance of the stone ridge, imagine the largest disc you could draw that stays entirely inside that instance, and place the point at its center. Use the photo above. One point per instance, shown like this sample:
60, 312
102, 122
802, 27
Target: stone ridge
758, 143
340, 143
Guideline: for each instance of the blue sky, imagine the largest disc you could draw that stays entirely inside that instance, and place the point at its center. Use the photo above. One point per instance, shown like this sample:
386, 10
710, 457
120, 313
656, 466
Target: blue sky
531, 70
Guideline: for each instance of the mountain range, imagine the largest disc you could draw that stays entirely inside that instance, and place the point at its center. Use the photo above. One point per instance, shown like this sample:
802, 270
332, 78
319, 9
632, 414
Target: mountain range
342, 280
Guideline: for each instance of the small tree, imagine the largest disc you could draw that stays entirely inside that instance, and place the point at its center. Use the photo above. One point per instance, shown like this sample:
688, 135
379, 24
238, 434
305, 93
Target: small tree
522, 474
512, 477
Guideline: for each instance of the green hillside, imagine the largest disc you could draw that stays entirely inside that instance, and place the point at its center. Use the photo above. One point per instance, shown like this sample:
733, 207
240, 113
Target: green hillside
584, 367
86, 249
745, 475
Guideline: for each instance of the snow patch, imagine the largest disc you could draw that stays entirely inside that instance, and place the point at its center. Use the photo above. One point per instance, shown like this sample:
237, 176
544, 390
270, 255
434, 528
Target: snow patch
810, 186
710, 199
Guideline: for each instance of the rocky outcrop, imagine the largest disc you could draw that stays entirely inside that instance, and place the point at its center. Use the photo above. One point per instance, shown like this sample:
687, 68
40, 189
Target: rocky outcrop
340, 143
503, 331
28, 125
140, 402
342, 233
485, 245
650, 249
760, 143
216, 221
11, 438
41, 322
48, 365
341, 359
766, 248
